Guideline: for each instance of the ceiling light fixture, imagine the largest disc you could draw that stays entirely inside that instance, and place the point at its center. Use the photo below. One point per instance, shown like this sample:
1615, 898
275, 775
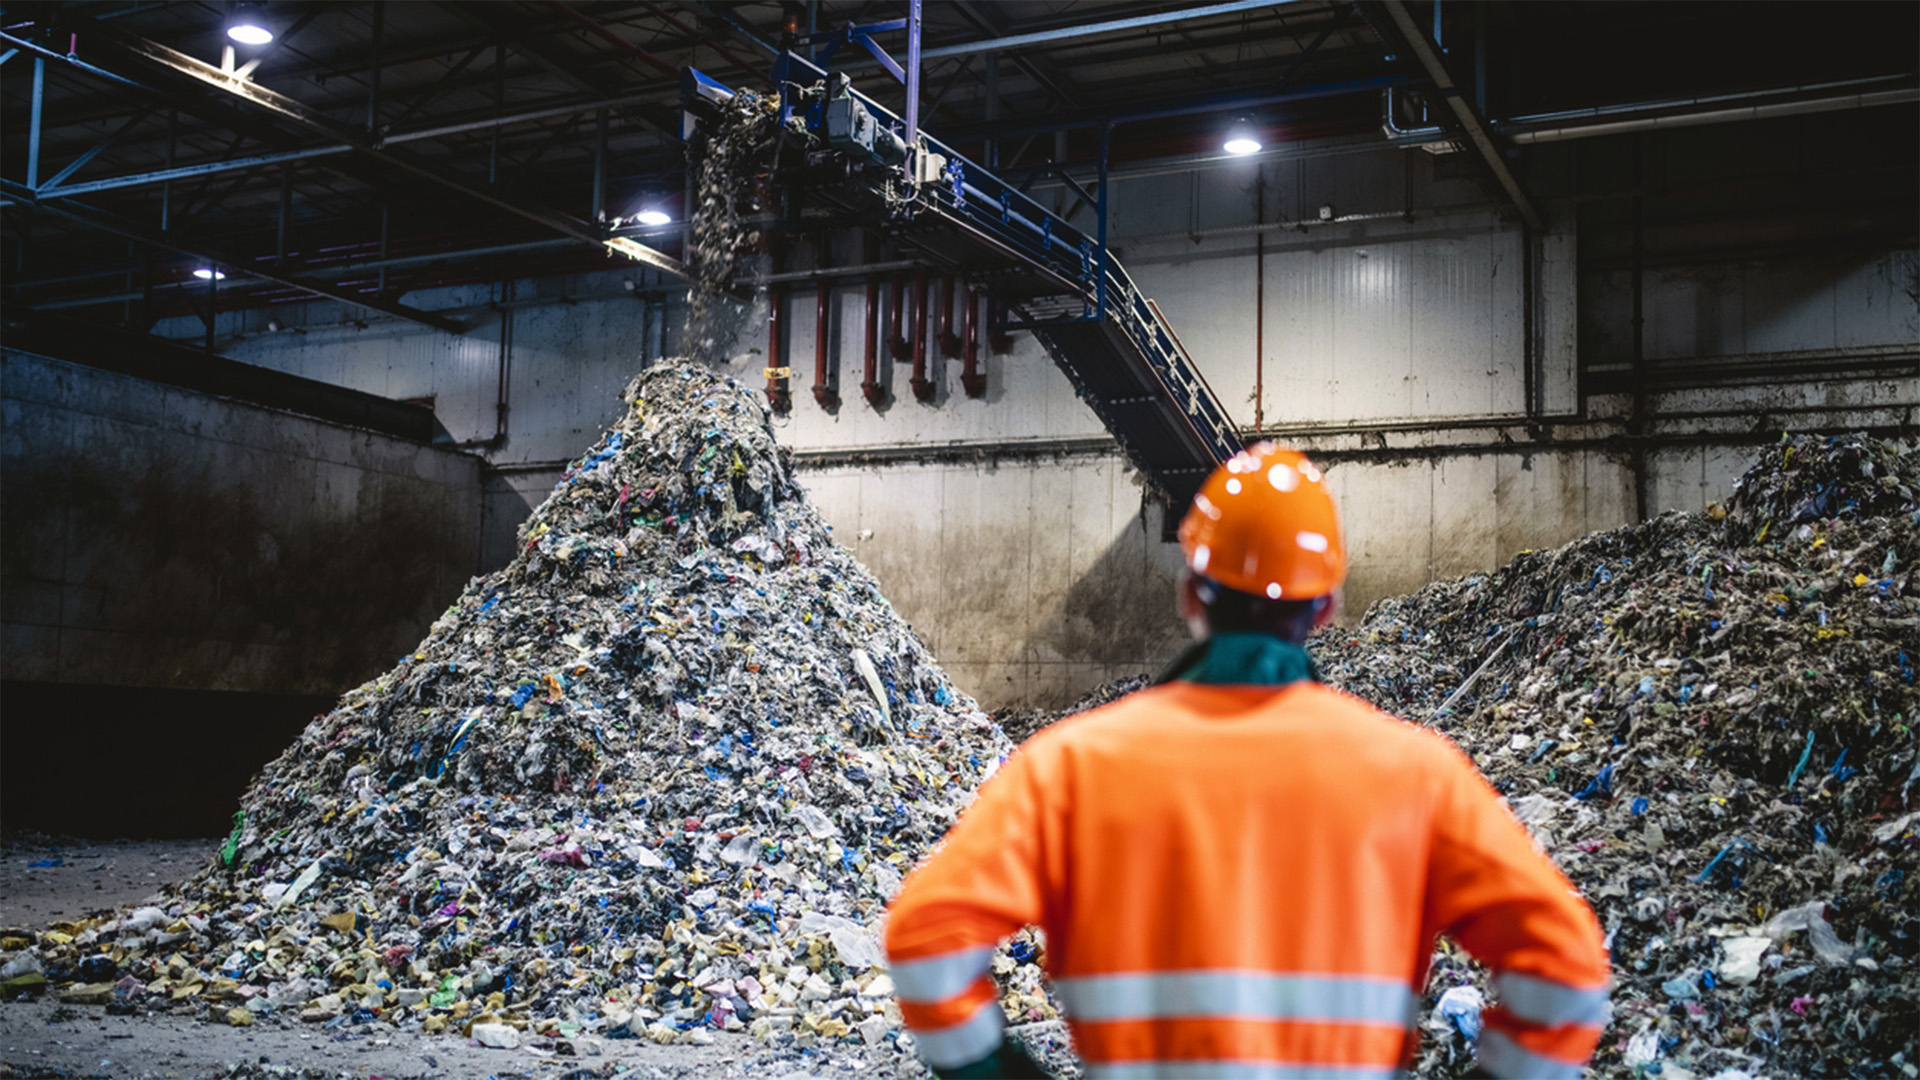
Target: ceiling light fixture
654, 217
1242, 139
208, 273
245, 26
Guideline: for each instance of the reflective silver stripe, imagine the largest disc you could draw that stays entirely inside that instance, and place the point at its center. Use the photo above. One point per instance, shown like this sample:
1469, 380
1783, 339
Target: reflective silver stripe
962, 1044
937, 978
1507, 1059
1236, 1070
1543, 1001
1246, 995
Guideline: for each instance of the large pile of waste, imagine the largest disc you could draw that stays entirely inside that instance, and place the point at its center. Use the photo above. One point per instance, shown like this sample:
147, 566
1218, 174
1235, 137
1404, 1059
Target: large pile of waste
1709, 721
658, 775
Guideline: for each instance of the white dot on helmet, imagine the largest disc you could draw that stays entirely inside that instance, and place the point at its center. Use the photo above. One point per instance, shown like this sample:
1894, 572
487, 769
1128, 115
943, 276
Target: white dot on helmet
1312, 541
1233, 485
1201, 556
1273, 590
1283, 477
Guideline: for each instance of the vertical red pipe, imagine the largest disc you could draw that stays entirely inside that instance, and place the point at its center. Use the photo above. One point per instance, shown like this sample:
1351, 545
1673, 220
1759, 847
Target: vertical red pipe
922, 386
949, 341
896, 335
823, 391
970, 375
876, 394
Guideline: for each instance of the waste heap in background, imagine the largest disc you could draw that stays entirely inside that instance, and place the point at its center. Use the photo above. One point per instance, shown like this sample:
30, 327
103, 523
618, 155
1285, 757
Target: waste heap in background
1709, 721
1020, 723
658, 775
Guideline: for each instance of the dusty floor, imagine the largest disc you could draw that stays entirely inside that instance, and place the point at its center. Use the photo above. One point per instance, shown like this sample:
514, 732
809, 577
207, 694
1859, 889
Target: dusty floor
42, 881
44, 1038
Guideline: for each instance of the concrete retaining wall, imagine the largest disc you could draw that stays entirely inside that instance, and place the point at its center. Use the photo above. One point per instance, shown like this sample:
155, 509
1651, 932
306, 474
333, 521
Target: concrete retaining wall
157, 537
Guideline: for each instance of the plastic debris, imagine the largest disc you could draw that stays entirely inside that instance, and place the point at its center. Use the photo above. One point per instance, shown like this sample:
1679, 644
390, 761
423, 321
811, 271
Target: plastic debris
1741, 964
1459, 1009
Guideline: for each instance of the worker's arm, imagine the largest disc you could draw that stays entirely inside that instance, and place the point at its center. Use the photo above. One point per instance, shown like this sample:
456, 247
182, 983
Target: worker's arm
984, 883
1493, 892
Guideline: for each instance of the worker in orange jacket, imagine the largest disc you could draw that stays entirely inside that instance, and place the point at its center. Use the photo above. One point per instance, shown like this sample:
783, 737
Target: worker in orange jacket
1241, 872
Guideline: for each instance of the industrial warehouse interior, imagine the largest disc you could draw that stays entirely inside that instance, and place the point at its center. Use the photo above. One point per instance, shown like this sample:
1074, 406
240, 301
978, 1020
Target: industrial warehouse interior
523, 523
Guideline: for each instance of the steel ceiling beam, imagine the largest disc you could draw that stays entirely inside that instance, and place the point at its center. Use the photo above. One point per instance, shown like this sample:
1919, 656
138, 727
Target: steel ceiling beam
1085, 30
52, 189
1412, 39
296, 113
233, 263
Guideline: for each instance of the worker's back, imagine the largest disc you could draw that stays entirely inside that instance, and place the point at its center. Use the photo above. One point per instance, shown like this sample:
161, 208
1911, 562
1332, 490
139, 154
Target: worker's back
1253, 877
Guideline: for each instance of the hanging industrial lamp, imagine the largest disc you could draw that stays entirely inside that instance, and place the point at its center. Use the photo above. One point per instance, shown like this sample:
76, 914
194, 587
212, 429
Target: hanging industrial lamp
1242, 138
654, 217
245, 26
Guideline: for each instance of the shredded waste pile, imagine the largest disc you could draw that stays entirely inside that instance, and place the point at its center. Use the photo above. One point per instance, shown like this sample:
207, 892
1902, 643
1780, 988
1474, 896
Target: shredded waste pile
1021, 723
657, 776
1709, 721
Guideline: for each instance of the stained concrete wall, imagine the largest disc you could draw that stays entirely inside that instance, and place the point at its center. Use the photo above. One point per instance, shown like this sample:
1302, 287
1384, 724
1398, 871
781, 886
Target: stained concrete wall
162, 538
1030, 579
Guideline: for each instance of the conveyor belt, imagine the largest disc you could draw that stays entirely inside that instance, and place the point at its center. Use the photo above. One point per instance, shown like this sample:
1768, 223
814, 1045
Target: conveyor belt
1112, 342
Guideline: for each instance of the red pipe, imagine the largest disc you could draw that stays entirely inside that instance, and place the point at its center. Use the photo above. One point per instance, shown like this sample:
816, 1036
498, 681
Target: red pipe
876, 394
949, 342
922, 386
823, 391
971, 376
896, 326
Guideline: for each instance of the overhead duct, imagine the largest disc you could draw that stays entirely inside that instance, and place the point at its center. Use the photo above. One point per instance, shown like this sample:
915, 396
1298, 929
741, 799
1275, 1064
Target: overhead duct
1671, 113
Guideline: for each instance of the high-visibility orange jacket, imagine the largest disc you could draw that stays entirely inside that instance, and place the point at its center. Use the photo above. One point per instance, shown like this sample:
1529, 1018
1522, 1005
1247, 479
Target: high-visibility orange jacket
1246, 881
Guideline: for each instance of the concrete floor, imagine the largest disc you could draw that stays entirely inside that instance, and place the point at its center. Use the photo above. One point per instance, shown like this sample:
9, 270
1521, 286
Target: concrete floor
43, 1038
88, 876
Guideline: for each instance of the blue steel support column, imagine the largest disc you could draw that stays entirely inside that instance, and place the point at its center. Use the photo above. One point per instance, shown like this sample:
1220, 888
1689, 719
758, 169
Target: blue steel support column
33, 125
913, 88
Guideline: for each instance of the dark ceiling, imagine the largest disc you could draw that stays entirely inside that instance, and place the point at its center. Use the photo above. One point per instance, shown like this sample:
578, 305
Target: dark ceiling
375, 149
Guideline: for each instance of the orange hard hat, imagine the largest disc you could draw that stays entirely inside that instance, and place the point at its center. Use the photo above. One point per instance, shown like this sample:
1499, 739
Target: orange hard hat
1264, 524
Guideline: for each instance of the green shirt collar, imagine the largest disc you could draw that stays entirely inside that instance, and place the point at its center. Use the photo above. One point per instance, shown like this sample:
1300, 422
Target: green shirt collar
1243, 660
